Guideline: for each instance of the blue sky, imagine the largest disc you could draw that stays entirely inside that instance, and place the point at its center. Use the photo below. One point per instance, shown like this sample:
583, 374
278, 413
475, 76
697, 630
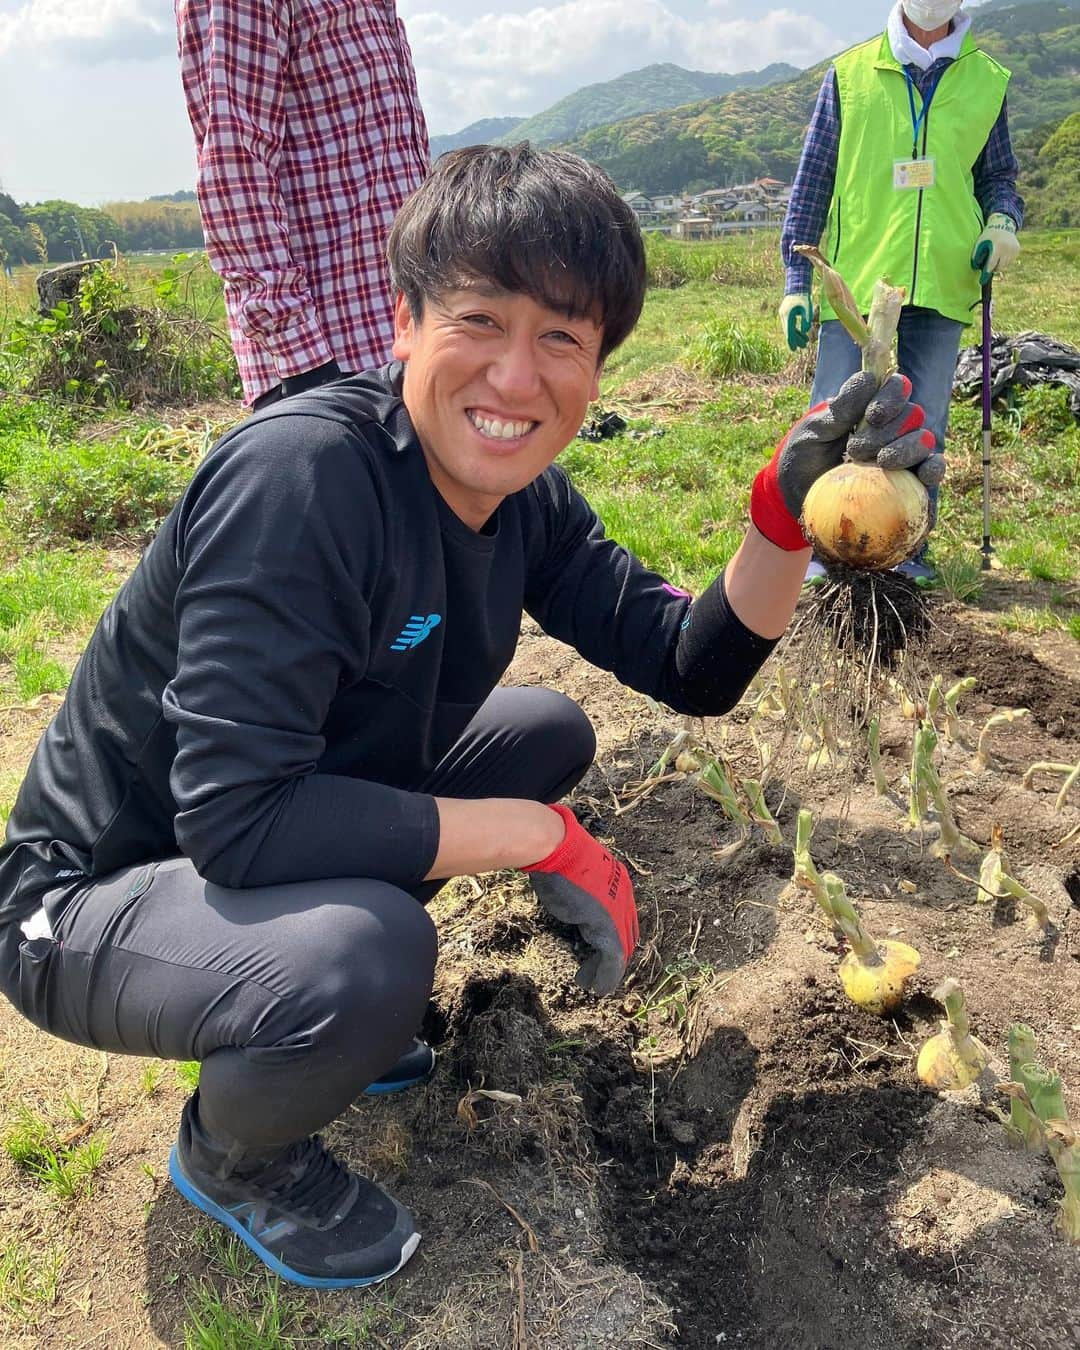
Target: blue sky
90, 104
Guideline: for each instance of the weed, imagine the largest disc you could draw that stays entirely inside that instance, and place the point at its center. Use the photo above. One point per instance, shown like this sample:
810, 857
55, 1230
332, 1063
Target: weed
1024, 619
64, 1169
961, 577
67, 1171
92, 489
28, 1279
741, 261
1045, 412
74, 1109
34, 674
725, 349
672, 997
62, 589
213, 1325
187, 1074
1073, 626
231, 1256
27, 1137
376, 1320
150, 1079
114, 343
43, 597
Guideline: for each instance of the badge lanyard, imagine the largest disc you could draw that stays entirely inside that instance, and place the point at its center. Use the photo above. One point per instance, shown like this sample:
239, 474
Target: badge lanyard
917, 119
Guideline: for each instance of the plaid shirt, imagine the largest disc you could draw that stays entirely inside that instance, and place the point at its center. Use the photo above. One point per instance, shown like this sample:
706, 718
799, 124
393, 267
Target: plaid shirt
995, 175
309, 136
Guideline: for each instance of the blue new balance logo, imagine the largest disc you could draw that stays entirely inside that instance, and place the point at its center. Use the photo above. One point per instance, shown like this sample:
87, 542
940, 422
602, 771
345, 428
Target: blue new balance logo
415, 631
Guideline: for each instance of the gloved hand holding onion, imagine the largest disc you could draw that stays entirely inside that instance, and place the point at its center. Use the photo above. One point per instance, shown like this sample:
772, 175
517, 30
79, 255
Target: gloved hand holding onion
869, 510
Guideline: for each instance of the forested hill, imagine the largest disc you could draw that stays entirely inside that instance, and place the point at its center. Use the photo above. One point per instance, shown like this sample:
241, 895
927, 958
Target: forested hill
484, 132
752, 132
638, 91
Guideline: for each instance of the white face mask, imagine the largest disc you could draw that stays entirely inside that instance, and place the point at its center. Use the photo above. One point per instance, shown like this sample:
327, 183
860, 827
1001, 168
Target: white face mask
930, 14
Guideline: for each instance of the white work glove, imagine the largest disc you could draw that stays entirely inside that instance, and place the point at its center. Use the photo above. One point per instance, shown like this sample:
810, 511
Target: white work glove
796, 315
996, 247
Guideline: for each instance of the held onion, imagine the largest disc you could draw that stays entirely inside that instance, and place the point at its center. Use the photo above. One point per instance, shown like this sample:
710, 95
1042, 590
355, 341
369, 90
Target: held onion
866, 517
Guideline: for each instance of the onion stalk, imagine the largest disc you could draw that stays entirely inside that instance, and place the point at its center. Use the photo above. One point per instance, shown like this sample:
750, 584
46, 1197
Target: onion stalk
954, 731
759, 812
983, 758
806, 876
918, 800
1022, 1122
926, 783
873, 743
874, 974
714, 782
858, 515
1071, 772
995, 883
953, 1058
1064, 1145
1040, 1092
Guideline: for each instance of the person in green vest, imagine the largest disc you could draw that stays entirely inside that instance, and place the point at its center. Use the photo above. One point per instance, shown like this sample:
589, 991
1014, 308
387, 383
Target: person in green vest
907, 173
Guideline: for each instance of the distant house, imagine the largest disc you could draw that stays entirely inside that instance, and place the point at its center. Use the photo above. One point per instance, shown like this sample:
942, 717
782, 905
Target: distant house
695, 226
746, 206
648, 218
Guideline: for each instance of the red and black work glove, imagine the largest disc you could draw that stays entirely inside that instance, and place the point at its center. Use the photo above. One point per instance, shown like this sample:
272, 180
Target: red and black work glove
581, 884
891, 435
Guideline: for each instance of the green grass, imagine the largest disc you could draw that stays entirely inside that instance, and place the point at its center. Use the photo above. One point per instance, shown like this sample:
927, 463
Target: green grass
1032, 619
65, 1170
726, 349
45, 598
29, 1276
187, 1074
243, 1307
92, 490
214, 1325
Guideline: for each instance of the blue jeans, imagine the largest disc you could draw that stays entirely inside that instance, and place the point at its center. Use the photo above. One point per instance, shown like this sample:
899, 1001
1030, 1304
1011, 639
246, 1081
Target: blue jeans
927, 346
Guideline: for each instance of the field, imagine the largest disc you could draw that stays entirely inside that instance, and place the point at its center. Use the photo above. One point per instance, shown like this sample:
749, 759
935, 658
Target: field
728, 1152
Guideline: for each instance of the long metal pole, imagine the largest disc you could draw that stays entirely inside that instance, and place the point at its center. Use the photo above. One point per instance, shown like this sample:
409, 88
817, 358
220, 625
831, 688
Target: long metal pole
987, 337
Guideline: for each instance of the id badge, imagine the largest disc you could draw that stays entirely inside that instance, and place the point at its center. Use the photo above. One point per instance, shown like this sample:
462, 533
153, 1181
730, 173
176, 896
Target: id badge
913, 173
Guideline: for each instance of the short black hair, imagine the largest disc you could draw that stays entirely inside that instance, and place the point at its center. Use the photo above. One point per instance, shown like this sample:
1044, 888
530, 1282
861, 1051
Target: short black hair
542, 223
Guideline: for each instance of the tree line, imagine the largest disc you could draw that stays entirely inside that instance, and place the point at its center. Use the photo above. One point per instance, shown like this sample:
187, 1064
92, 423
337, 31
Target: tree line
59, 231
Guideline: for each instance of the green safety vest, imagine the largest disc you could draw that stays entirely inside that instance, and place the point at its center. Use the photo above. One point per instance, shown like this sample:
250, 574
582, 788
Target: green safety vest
918, 238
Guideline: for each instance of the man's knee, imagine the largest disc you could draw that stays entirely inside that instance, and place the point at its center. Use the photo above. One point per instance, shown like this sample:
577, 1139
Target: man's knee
370, 964
560, 731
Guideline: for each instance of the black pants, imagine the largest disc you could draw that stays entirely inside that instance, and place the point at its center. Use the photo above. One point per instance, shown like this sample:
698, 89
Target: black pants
293, 997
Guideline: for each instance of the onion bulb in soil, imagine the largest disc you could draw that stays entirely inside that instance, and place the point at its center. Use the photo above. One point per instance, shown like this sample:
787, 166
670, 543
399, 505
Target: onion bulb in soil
865, 517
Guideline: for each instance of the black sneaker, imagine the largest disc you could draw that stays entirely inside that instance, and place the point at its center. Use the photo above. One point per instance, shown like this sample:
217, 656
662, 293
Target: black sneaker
415, 1066
308, 1217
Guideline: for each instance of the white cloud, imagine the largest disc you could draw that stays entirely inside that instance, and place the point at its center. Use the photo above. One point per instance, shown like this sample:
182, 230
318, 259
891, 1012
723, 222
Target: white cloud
88, 31
500, 63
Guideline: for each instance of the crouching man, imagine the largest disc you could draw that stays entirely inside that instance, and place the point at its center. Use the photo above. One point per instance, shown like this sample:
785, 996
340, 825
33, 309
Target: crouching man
285, 731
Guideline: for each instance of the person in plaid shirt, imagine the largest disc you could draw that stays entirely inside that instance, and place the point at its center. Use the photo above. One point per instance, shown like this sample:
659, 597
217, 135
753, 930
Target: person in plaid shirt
309, 136
907, 173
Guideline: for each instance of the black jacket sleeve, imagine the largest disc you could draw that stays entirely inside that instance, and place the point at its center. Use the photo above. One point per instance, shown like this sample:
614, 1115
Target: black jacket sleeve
271, 616
697, 657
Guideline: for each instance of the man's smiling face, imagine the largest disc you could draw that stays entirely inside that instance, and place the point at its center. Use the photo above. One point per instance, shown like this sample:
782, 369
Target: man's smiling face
496, 385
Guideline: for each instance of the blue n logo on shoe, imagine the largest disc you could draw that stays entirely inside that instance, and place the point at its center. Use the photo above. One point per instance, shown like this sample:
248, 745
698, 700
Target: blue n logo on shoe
250, 1215
415, 631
